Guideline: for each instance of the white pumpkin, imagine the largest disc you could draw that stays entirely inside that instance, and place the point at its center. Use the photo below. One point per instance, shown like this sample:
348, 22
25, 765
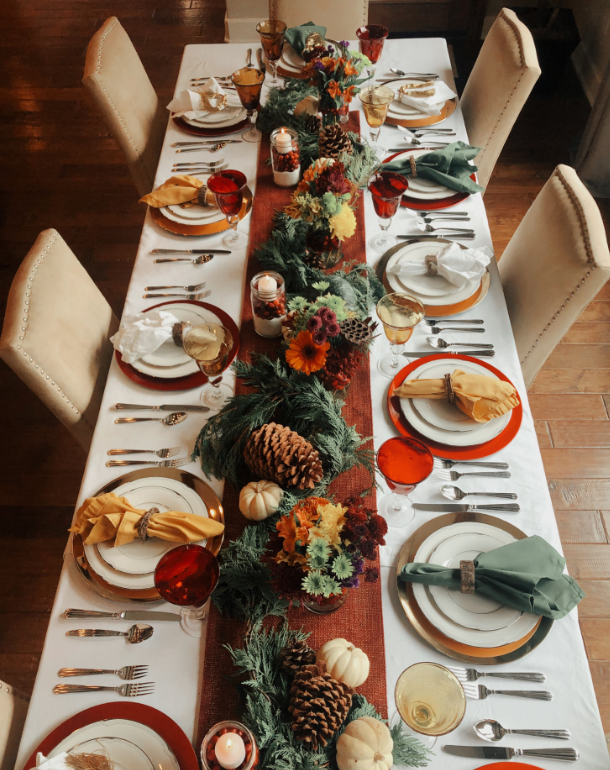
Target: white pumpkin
366, 744
259, 499
345, 662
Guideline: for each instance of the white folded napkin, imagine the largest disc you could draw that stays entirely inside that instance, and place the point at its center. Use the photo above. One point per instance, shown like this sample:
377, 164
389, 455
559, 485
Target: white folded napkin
455, 264
199, 102
428, 105
143, 333
57, 763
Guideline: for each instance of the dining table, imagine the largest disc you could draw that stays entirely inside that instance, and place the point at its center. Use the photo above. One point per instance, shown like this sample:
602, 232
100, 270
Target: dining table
176, 660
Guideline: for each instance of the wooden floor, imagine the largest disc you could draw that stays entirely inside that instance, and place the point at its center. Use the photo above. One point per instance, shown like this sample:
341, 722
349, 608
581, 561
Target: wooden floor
59, 168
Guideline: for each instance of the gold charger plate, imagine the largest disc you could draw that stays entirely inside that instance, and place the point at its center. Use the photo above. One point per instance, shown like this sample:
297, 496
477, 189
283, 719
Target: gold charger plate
434, 310
117, 593
440, 642
195, 230
430, 120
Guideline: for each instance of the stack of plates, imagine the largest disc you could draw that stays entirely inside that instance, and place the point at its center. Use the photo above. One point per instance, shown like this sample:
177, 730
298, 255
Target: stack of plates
193, 215
469, 624
404, 115
227, 121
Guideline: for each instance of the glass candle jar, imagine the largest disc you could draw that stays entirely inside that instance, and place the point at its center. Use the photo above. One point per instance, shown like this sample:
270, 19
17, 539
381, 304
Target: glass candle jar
285, 157
240, 747
268, 295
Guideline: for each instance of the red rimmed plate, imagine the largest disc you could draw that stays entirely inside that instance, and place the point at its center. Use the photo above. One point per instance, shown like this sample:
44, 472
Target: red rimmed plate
156, 720
188, 129
191, 380
429, 205
442, 450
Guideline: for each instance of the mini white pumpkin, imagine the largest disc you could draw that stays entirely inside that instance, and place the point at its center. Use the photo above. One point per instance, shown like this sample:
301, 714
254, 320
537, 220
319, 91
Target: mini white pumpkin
345, 662
259, 499
366, 744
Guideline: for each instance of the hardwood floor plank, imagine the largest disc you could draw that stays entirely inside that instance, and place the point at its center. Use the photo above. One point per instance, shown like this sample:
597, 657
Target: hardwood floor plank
567, 407
580, 494
596, 603
572, 381
579, 357
588, 562
576, 463
592, 333
596, 635
581, 527
596, 311
576, 433
542, 432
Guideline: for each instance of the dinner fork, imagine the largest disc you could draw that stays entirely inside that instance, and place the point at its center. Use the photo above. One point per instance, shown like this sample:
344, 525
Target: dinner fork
202, 259
208, 148
177, 463
127, 672
440, 462
126, 690
197, 296
454, 475
204, 141
189, 164
471, 675
480, 692
415, 75
167, 452
193, 287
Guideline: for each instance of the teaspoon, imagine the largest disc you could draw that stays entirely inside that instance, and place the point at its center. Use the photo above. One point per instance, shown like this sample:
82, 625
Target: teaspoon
136, 634
442, 344
455, 493
415, 75
172, 419
439, 330
492, 731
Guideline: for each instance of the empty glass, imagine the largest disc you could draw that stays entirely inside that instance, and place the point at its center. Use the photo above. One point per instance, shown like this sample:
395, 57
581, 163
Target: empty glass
376, 101
210, 345
228, 187
387, 189
404, 463
248, 82
271, 33
399, 313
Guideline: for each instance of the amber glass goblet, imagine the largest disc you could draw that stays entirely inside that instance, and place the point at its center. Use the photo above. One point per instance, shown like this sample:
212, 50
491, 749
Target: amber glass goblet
399, 313
248, 82
210, 345
376, 101
271, 33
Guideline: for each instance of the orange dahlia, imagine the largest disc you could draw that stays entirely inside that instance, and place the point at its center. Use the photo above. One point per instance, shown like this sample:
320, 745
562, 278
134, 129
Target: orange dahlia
304, 355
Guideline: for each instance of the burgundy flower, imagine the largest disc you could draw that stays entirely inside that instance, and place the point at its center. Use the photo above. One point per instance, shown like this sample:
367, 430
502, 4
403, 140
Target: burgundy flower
378, 527
332, 329
371, 575
314, 324
319, 337
368, 549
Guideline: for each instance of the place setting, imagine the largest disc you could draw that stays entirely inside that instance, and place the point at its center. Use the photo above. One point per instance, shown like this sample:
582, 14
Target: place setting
209, 110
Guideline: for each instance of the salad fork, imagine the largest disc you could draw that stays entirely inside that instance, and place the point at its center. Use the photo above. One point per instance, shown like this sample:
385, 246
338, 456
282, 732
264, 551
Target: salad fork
197, 296
480, 692
440, 462
167, 452
126, 690
454, 475
127, 672
193, 287
471, 675
178, 463
440, 329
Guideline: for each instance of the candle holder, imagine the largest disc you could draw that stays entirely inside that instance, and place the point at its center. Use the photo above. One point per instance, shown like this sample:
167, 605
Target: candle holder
268, 296
209, 761
285, 157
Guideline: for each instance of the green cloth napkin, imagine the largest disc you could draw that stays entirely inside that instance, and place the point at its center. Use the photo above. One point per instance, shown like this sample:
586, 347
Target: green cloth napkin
297, 36
448, 166
527, 575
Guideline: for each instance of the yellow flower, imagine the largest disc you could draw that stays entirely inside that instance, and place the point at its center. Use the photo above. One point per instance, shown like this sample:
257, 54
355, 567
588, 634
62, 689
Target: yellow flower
343, 224
293, 209
330, 523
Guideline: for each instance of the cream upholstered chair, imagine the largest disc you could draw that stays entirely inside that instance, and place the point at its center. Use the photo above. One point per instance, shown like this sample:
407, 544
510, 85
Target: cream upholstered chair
554, 265
13, 708
56, 333
340, 17
503, 76
123, 93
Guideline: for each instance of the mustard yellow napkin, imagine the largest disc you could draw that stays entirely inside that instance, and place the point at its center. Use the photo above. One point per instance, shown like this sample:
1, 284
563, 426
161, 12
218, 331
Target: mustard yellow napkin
108, 516
480, 397
177, 189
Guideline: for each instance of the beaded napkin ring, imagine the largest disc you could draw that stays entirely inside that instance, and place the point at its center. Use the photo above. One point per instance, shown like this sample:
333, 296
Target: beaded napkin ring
144, 522
413, 166
450, 392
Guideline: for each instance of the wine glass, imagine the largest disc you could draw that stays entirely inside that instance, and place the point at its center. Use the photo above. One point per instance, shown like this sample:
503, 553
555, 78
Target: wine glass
387, 189
210, 344
186, 576
399, 313
248, 83
372, 37
271, 33
376, 101
228, 188
404, 463
430, 700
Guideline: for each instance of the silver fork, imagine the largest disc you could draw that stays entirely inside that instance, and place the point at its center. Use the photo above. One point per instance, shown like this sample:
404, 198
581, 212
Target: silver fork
177, 463
167, 452
198, 296
440, 462
211, 163
471, 675
126, 690
454, 475
193, 287
127, 672
202, 259
208, 148
480, 692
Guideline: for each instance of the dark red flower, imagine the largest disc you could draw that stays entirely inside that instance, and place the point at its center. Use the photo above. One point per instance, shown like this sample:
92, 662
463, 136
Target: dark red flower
371, 575
378, 527
332, 179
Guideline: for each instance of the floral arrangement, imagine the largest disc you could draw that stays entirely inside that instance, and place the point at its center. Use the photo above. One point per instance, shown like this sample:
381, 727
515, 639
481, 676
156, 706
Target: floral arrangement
336, 73
320, 549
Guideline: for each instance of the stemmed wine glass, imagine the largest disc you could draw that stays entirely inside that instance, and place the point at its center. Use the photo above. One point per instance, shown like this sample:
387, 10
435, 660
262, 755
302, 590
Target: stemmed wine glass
186, 577
387, 189
376, 102
271, 33
404, 463
228, 188
399, 313
372, 37
210, 344
248, 83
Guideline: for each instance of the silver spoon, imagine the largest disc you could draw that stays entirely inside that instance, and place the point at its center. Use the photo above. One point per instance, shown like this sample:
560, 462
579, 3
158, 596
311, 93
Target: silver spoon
172, 419
434, 213
433, 321
442, 344
136, 634
415, 75
492, 731
438, 330
192, 287
455, 493
417, 142
429, 229
200, 260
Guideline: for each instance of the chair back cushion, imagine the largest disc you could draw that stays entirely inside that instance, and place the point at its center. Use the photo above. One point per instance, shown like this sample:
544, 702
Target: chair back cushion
56, 333
13, 708
126, 99
554, 265
340, 17
502, 78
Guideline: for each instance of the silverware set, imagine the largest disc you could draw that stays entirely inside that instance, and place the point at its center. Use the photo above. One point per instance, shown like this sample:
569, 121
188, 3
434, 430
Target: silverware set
221, 79
172, 419
196, 296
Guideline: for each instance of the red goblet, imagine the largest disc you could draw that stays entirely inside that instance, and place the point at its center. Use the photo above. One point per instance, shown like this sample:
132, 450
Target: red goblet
186, 577
387, 189
228, 188
404, 463
372, 37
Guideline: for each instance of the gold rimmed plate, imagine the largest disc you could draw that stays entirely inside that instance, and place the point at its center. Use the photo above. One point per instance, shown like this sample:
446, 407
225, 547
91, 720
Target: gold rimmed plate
210, 228
428, 120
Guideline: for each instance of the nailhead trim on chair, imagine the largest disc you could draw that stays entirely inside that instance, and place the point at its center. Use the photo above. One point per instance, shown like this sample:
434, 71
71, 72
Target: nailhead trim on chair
24, 329
15, 693
584, 231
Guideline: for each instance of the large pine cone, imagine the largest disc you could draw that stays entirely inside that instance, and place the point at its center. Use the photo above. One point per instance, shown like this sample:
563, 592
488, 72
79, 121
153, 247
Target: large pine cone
358, 332
276, 453
333, 141
296, 655
318, 705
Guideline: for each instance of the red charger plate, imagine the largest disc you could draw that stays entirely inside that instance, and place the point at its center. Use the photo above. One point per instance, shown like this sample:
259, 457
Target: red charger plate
418, 204
187, 128
135, 712
508, 766
442, 450
191, 380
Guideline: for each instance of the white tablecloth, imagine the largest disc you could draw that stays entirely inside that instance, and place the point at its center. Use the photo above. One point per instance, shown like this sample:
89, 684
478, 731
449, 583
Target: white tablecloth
175, 659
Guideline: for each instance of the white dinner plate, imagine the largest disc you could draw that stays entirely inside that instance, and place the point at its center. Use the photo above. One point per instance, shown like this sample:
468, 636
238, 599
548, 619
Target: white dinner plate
196, 215
234, 113
450, 628
291, 57
124, 754
401, 110
421, 188
147, 740
470, 610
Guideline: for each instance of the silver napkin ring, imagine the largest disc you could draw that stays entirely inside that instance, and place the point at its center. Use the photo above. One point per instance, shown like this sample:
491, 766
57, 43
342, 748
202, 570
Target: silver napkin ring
466, 577
144, 522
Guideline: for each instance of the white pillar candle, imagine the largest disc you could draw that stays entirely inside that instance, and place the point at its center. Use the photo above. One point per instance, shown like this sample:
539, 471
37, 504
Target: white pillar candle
283, 142
230, 751
267, 284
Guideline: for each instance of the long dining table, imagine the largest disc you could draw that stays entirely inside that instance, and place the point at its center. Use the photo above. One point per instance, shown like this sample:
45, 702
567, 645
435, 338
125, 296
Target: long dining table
175, 659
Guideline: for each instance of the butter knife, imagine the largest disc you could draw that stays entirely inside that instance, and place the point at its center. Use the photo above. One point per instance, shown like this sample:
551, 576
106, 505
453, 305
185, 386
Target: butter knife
163, 407
190, 251
425, 353
464, 508
433, 237
504, 752
73, 614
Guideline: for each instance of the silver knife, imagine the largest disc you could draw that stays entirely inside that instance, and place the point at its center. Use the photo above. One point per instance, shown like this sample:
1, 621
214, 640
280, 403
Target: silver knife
463, 508
424, 353
164, 407
432, 237
127, 615
259, 58
497, 752
190, 251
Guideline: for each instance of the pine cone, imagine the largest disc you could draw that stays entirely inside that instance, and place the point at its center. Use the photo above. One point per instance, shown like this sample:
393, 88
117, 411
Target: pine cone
318, 705
358, 332
296, 655
313, 124
278, 454
333, 141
